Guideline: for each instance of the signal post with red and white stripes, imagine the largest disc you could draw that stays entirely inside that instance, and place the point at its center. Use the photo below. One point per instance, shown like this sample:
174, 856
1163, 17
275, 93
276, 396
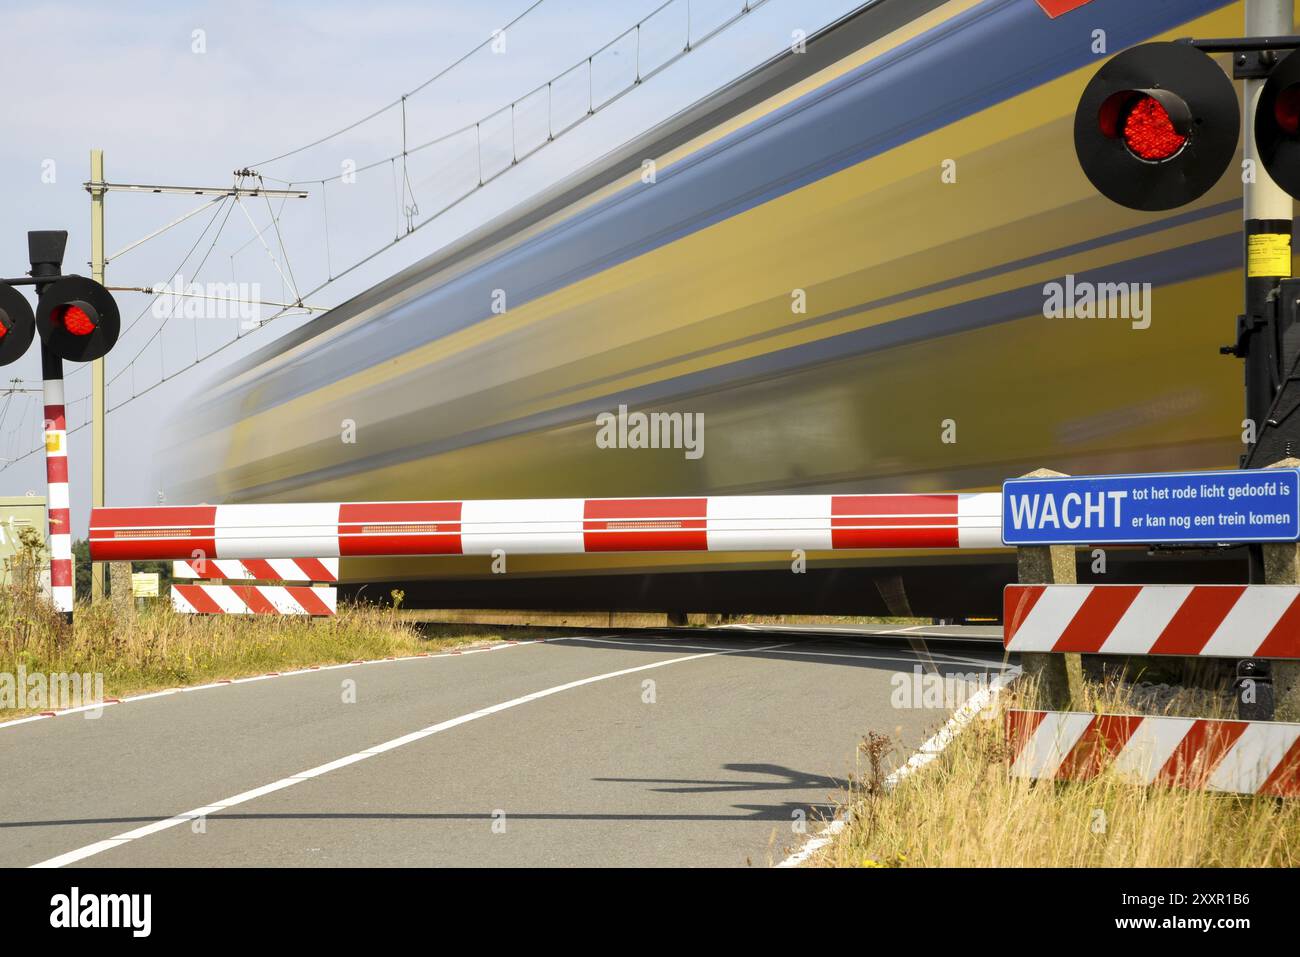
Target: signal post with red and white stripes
56, 475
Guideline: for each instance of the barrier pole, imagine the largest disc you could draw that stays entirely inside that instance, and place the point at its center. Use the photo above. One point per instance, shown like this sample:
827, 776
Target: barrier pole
1059, 677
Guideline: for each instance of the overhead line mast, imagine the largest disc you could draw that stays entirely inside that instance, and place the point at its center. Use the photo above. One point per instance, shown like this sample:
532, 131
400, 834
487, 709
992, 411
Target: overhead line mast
98, 188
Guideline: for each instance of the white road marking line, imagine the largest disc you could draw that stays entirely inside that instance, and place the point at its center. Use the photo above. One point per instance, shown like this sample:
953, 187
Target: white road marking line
926, 753
90, 850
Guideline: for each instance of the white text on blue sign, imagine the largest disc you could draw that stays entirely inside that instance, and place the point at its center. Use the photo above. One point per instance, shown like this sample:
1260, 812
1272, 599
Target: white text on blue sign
1186, 507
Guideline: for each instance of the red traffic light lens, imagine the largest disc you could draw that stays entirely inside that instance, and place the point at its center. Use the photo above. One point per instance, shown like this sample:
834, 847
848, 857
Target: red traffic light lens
74, 319
4, 330
1149, 132
1286, 109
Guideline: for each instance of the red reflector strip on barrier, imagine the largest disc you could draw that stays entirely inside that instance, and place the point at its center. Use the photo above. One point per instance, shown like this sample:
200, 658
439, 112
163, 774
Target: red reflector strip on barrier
650, 524
157, 533
1242, 757
400, 528
1225, 621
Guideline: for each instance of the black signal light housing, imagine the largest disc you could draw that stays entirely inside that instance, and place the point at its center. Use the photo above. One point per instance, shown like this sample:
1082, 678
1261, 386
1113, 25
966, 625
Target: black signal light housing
17, 324
1157, 126
78, 319
1277, 124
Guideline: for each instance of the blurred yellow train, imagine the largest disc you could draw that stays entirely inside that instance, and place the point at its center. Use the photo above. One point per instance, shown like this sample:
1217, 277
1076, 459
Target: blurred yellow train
843, 265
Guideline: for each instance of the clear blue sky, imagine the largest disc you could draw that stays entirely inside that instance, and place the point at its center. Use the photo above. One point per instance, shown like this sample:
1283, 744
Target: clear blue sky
272, 77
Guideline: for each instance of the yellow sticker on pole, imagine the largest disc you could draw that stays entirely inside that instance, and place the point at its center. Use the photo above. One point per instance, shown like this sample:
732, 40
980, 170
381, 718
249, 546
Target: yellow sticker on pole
1268, 255
53, 442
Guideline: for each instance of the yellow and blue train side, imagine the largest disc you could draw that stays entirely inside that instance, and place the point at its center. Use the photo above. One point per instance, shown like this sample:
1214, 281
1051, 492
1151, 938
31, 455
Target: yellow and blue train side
911, 178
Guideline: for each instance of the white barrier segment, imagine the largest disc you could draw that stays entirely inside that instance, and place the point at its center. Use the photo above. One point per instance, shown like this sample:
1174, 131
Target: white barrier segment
1249, 620
979, 520
781, 522
1150, 748
1050, 615
1252, 758
1054, 738
1144, 620
180, 604
279, 597
518, 527
287, 569
298, 530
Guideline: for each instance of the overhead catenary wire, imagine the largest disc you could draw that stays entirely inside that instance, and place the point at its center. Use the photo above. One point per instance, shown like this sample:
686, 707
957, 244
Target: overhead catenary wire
592, 109
384, 109
157, 332
405, 190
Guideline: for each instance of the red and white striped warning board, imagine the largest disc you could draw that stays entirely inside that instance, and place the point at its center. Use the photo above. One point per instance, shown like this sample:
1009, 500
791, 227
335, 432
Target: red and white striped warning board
254, 600
254, 569
1229, 621
1244, 757
550, 526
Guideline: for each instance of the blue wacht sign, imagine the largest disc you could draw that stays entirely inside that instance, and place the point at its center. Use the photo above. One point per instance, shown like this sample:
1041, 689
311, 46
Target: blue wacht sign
1254, 505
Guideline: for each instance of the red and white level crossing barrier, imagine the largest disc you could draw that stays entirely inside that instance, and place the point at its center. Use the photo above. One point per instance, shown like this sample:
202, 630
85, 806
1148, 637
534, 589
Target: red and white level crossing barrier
1243, 757
274, 569
1228, 621
60, 515
552, 526
254, 600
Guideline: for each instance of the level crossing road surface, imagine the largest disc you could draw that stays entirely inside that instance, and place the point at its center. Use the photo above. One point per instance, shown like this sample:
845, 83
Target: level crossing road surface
607, 749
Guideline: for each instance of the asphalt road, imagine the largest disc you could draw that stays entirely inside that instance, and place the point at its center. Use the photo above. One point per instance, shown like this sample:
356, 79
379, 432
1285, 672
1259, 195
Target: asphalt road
624, 750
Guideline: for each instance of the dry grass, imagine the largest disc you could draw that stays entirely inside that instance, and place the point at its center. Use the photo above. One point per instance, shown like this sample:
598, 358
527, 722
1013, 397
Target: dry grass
160, 648
964, 810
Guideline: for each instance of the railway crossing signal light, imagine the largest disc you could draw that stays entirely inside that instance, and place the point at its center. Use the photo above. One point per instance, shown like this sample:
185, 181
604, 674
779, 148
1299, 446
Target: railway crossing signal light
1277, 124
17, 324
1157, 126
77, 318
